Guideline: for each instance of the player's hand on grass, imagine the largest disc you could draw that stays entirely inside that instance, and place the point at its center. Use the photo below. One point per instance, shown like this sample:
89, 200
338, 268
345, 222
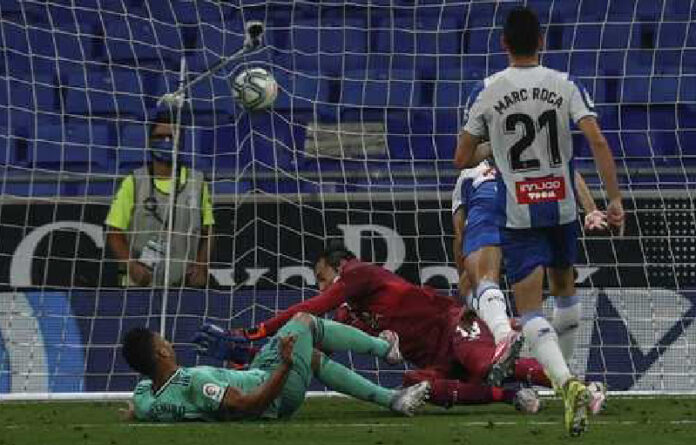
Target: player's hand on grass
127, 414
287, 344
596, 220
615, 215
139, 273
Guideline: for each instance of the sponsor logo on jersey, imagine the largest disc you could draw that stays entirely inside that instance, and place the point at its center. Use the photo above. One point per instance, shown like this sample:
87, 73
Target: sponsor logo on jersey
534, 191
212, 391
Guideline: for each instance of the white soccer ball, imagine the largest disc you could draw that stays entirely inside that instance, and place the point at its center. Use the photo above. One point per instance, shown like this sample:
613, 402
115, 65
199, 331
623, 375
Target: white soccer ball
255, 89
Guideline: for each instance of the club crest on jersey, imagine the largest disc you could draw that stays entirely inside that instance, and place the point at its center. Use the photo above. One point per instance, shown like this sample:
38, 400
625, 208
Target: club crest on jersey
534, 191
212, 391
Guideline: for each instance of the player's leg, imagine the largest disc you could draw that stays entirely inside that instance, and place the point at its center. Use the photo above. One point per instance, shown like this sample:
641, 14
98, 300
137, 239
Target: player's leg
567, 304
447, 392
567, 308
483, 256
526, 253
331, 336
483, 266
529, 370
341, 379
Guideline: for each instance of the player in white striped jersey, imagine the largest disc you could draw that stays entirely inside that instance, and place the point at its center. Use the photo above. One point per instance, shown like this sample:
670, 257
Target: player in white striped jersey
477, 255
525, 111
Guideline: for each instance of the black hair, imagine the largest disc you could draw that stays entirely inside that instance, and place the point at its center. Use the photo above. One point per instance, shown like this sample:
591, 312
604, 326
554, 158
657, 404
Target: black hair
162, 117
139, 350
334, 252
522, 31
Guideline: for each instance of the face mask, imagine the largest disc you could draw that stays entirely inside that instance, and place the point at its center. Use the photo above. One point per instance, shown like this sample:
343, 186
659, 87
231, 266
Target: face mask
161, 149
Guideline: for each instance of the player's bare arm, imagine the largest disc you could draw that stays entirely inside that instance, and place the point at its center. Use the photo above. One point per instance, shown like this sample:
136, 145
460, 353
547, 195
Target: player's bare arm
470, 151
595, 219
255, 403
606, 167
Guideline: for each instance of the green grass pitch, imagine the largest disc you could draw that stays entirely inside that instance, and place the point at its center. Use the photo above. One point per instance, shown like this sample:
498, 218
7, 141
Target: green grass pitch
330, 421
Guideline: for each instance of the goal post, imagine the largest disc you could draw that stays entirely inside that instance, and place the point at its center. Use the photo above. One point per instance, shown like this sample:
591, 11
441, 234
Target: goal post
357, 146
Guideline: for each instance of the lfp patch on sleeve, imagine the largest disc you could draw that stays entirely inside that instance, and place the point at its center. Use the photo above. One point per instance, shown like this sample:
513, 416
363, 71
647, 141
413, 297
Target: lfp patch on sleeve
213, 391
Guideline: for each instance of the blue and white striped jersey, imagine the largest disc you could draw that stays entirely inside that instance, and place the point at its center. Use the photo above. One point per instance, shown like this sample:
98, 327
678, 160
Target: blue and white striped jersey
526, 113
475, 187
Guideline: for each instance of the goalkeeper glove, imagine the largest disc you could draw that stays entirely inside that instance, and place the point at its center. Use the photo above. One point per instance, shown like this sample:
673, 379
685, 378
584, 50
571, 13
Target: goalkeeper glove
216, 342
250, 334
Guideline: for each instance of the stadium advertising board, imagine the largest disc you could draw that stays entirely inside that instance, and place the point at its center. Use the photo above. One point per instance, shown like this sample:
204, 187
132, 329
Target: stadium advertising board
634, 336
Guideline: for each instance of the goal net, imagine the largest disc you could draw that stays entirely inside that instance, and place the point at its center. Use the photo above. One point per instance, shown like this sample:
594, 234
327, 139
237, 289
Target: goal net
358, 146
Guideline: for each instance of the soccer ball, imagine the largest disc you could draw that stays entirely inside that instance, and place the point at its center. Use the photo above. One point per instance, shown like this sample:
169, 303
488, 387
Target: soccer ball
255, 89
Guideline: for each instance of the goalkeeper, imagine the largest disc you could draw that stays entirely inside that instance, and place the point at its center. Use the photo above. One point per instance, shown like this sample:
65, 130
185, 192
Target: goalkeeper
452, 350
275, 384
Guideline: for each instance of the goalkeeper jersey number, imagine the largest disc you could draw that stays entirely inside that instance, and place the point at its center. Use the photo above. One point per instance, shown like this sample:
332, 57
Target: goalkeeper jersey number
192, 393
526, 113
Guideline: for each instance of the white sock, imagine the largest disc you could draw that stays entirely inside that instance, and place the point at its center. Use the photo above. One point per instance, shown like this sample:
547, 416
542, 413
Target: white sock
566, 321
543, 342
492, 309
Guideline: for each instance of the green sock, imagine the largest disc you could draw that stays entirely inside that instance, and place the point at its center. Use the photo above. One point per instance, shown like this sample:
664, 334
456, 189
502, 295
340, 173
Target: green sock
339, 378
337, 337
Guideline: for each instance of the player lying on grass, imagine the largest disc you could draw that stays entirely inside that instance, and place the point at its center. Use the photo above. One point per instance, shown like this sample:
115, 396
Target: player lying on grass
525, 112
452, 351
477, 254
275, 384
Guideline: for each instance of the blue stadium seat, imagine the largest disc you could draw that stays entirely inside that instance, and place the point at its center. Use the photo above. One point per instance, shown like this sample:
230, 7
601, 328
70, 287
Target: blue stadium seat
593, 11
556, 60
167, 35
616, 35
559, 37
687, 139
69, 47
649, 10
609, 116
583, 63
447, 94
664, 89
686, 115
662, 117
481, 15
612, 62
41, 41
672, 35
21, 94
664, 142
639, 62
634, 117
475, 41
62, 17
689, 61
305, 38
621, 10
15, 37
636, 144
587, 37
565, 11
18, 65
668, 61
687, 89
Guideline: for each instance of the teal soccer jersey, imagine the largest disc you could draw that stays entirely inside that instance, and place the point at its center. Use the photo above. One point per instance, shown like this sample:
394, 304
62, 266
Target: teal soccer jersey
192, 393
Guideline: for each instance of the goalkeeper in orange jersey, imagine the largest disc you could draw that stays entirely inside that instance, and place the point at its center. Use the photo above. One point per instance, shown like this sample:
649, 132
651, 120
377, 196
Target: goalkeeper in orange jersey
452, 350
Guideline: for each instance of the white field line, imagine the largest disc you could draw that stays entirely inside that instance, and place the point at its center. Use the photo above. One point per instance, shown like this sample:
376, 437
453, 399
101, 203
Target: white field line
284, 425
